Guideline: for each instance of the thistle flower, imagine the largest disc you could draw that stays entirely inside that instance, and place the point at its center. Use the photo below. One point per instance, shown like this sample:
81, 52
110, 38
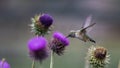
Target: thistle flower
46, 20
98, 56
4, 64
58, 43
42, 24
37, 48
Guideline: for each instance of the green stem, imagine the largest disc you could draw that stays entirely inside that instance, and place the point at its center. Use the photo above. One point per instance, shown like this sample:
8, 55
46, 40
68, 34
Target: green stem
119, 64
33, 64
87, 64
51, 60
40, 65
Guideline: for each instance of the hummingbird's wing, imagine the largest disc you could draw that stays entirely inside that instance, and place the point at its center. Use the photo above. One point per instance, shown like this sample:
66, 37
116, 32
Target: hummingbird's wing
87, 29
88, 24
87, 21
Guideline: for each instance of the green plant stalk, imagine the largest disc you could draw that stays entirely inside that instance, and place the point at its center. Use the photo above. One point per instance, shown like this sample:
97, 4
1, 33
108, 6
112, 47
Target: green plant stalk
33, 64
51, 60
87, 64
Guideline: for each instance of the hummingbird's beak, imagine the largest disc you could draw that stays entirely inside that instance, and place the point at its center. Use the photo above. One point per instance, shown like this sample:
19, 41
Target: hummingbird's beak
67, 36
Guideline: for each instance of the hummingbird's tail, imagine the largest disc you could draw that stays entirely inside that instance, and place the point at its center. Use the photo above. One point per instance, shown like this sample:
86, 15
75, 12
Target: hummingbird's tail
92, 40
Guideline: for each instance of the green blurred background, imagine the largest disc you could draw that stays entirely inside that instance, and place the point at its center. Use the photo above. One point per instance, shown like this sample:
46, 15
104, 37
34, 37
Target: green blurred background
68, 15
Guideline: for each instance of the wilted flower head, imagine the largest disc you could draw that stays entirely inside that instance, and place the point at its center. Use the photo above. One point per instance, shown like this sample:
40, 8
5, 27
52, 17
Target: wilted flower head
98, 56
41, 24
37, 48
4, 64
58, 43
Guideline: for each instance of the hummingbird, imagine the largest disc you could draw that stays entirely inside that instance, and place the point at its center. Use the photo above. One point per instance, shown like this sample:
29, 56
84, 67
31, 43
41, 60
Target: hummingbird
82, 34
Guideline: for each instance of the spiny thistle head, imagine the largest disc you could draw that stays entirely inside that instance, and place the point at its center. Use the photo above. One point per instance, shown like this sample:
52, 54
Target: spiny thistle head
4, 64
58, 43
42, 24
37, 48
98, 56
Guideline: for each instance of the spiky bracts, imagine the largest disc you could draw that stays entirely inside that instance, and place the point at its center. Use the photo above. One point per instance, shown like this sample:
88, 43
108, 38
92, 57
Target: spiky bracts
98, 56
41, 24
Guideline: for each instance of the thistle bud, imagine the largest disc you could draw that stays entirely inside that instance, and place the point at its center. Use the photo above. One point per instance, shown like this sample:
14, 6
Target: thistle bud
41, 24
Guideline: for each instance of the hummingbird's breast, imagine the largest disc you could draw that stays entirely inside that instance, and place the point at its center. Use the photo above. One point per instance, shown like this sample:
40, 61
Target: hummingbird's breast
79, 35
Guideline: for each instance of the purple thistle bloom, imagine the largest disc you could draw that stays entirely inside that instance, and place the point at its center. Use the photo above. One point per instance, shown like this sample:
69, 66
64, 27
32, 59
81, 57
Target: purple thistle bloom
37, 48
46, 20
4, 64
61, 38
59, 43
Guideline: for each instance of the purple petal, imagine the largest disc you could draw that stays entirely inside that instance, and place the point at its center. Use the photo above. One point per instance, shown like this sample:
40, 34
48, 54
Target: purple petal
61, 37
46, 20
4, 64
37, 43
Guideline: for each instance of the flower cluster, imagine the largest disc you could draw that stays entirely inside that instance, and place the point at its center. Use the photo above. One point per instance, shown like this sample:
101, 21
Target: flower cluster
37, 46
41, 24
98, 56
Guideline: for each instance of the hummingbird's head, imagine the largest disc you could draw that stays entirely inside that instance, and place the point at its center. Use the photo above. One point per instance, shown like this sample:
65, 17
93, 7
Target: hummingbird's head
71, 34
